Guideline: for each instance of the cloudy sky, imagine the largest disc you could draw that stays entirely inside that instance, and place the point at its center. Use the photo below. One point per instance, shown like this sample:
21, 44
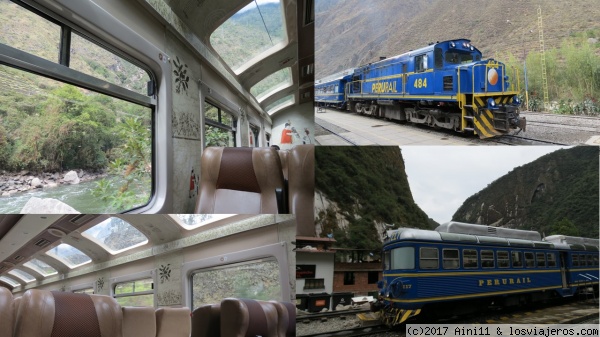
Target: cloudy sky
442, 177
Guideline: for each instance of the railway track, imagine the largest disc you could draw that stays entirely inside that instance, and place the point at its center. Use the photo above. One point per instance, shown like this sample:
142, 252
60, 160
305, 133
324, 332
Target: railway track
355, 332
329, 314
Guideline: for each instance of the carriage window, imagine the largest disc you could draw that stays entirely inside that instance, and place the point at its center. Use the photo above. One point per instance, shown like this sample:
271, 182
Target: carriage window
115, 235
582, 262
470, 258
22, 275
219, 126
595, 260
257, 279
348, 278
89, 291
403, 258
69, 255
502, 259
487, 259
529, 260
254, 131
590, 261
272, 83
74, 123
450, 258
429, 258
280, 104
551, 259
517, 259
41, 267
9, 281
193, 221
575, 259
541, 259
139, 293
420, 63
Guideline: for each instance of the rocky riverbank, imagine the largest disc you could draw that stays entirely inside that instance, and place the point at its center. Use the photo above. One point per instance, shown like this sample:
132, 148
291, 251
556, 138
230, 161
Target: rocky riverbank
11, 183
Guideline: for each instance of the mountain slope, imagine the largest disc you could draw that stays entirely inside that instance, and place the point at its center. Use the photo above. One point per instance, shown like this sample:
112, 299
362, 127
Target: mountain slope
540, 195
359, 190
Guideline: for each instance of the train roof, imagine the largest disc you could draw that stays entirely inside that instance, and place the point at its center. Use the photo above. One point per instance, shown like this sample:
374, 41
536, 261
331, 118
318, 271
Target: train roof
483, 230
409, 234
573, 240
335, 77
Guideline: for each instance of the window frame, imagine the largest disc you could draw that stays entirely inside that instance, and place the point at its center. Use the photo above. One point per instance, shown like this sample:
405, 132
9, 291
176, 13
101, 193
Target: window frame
493, 258
505, 261
445, 259
150, 274
470, 258
529, 260
520, 259
437, 258
219, 122
553, 260
537, 260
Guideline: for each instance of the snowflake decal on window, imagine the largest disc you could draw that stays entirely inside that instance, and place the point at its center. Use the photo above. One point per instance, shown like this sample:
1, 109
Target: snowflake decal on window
164, 272
181, 79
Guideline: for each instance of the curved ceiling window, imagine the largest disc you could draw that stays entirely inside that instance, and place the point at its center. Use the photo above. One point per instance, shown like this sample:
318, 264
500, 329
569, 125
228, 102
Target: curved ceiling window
272, 83
116, 235
41, 267
22, 275
192, 221
280, 104
10, 281
69, 255
250, 32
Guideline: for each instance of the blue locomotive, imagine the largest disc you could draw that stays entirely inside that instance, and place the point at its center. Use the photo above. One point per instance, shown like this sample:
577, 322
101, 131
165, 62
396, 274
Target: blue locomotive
444, 85
331, 91
465, 267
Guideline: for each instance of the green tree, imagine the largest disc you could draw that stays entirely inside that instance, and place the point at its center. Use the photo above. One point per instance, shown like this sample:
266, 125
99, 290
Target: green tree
565, 227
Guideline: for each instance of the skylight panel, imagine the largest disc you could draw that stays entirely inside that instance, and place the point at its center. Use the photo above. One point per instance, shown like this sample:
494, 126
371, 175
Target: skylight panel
192, 221
278, 79
69, 255
10, 281
280, 104
115, 235
41, 267
253, 30
22, 275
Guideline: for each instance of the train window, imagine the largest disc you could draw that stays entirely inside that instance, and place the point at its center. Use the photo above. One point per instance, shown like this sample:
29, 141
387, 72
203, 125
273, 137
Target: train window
41, 267
19, 19
529, 260
10, 281
193, 221
458, 57
314, 283
517, 259
254, 132
403, 258
22, 275
551, 259
257, 279
268, 85
541, 259
387, 259
487, 259
429, 258
139, 293
502, 257
470, 258
590, 260
280, 104
438, 58
219, 128
115, 235
450, 258
582, 261
89, 291
69, 255
595, 260
575, 260
348, 278
247, 43
420, 63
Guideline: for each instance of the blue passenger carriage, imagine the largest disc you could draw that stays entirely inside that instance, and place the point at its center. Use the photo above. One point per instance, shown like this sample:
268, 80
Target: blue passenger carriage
478, 265
331, 91
446, 84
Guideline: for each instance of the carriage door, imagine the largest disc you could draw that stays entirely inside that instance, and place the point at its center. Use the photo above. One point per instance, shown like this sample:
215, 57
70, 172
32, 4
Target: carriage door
564, 270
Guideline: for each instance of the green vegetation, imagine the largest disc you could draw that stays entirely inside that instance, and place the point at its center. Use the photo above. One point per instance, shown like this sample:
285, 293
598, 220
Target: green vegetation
557, 192
368, 185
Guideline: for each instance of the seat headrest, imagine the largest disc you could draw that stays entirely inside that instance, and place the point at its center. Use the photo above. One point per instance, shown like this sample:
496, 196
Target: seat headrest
237, 170
6, 312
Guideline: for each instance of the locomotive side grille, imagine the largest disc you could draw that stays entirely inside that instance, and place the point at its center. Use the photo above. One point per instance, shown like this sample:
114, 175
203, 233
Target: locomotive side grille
448, 85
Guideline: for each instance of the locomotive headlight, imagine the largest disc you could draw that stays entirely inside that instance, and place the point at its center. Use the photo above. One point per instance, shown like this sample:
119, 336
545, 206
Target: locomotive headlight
516, 100
452, 44
491, 103
472, 48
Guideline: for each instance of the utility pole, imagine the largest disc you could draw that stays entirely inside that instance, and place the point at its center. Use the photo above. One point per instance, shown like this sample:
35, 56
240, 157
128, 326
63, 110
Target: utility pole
543, 55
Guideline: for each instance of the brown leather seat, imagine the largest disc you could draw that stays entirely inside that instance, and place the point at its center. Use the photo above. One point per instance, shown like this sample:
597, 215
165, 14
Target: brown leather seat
240, 180
6, 313
291, 312
301, 184
16, 304
206, 321
248, 318
61, 314
283, 157
173, 322
286, 318
139, 322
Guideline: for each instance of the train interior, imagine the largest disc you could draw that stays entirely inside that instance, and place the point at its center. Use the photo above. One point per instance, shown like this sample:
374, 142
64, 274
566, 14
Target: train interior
143, 275
171, 78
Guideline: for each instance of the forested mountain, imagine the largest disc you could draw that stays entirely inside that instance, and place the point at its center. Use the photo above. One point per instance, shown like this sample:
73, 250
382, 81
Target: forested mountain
362, 191
556, 194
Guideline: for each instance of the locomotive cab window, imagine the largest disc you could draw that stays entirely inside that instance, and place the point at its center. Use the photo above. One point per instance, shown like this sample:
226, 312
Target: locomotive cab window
470, 258
450, 258
438, 58
487, 259
420, 63
429, 258
403, 258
